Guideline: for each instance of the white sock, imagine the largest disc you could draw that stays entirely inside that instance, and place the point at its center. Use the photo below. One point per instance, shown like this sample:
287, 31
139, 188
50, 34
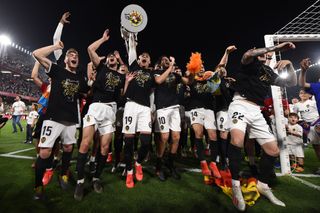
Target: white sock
235, 182
138, 164
80, 181
130, 172
264, 185
92, 158
95, 179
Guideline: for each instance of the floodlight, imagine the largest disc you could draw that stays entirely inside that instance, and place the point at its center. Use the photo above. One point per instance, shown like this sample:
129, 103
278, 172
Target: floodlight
5, 40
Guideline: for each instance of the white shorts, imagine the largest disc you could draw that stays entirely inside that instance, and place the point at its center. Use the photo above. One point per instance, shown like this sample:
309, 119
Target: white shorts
168, 119
51, 130
136, 118
203, 116
296, 150
222, 121
242, 113
102, 116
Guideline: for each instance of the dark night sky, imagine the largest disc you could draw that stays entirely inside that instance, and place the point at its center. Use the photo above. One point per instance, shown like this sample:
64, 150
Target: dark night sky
174, 27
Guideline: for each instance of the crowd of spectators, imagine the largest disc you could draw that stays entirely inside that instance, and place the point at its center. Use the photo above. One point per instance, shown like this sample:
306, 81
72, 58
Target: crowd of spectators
18, 80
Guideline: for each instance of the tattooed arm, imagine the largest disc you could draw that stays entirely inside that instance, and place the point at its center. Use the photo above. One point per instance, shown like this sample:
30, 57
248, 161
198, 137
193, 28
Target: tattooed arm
248, 56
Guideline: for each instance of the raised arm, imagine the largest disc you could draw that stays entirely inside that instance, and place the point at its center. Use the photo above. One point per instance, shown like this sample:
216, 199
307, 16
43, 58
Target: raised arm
304, 64
129, 77
291, 80
248, 56
161, 78
118, 57
94, 57
132, 54
41, 54
35, 74
224, 60
58, 33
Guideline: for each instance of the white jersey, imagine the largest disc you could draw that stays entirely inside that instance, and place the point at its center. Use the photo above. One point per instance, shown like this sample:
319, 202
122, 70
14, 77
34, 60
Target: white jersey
308, 110
31, 117
18, 108
297, 130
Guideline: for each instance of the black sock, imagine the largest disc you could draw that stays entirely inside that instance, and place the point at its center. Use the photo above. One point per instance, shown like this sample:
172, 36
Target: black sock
81, 162
50, 161
128, 152
118, 149
136, 140
199, 146
144, 148
100, 166
41, 165
66, 157
214, 150
266, 165
192, 138
223, 150
234, 154
171, 159
158, 163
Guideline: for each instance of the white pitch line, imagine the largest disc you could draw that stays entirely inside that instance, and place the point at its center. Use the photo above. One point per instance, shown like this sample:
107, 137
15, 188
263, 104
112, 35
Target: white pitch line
23, 150
305, 175
297, 175
17, 156
307, 183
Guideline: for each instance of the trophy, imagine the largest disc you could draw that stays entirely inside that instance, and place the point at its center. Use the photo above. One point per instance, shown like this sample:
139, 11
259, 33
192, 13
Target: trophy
133, 20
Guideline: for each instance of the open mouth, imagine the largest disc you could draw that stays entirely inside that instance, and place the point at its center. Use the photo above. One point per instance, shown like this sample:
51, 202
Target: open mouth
144, 60
74, 62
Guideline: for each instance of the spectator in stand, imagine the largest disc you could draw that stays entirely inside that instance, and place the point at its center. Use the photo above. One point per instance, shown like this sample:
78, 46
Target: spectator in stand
18, 108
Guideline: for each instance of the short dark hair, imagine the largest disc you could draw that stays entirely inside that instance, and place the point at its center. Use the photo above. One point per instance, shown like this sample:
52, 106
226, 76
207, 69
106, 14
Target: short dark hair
293, 114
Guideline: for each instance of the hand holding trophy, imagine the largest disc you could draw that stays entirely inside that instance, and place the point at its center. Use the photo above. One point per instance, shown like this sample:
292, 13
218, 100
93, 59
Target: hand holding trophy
133, 20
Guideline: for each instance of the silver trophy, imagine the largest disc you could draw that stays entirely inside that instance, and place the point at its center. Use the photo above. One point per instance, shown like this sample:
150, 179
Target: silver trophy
133, 20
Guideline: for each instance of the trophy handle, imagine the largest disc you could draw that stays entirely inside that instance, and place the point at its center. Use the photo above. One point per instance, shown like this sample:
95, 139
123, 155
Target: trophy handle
125, 34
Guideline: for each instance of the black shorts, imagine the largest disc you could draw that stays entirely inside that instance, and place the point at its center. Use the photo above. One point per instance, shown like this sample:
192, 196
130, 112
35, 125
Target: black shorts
37, 130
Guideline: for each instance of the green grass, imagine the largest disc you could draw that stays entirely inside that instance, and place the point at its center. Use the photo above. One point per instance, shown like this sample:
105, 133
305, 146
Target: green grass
187, 195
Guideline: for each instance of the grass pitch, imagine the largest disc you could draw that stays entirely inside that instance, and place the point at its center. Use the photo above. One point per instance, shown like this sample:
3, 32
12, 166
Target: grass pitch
189, 194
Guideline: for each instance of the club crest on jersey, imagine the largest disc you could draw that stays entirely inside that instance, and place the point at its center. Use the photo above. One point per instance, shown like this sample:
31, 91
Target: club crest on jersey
162, 127
142, 77
111, 81
43, 139
193, 119
150, 124
127, 127
235, 121
308, 106
221, 126
70, 89
88, 118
